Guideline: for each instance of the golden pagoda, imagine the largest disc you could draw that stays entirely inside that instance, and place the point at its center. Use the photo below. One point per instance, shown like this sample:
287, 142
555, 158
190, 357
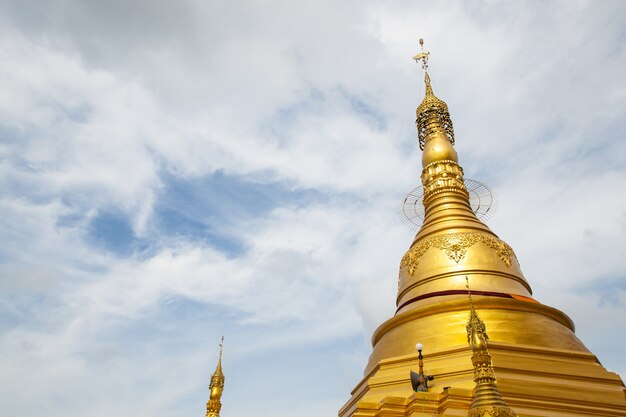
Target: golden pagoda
543, 369
216, 387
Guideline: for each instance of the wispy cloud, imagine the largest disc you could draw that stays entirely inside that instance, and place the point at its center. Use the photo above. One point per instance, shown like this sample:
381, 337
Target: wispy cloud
171, 173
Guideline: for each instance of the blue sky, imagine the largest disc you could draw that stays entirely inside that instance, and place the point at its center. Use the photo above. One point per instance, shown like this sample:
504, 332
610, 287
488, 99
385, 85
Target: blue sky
173, 172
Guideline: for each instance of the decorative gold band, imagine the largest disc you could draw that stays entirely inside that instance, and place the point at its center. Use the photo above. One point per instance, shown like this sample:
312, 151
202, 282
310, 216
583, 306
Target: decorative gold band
455, 246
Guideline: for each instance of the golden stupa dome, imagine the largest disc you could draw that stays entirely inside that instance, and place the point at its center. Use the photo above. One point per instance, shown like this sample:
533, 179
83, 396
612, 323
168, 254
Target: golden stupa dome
451, 246
452, 243
543, 365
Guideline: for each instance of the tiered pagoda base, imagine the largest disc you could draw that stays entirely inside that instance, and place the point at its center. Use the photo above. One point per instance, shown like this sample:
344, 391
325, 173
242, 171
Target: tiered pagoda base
536, 381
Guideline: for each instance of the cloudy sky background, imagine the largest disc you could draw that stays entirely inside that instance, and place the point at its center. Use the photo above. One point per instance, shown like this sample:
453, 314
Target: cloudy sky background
175, 171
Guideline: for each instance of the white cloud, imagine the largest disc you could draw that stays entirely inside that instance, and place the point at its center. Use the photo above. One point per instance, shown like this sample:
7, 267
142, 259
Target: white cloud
102, 101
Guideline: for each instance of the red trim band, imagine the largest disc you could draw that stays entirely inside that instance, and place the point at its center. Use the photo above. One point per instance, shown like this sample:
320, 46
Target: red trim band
457, 292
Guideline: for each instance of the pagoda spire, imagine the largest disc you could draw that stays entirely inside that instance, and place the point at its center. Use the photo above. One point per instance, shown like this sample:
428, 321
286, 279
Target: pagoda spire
441, 171
434, 125
488, 401
547, 366
216, 387
450, 226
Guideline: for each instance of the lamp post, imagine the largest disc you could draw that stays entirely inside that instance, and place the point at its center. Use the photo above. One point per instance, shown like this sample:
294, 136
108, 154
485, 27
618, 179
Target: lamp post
419, 381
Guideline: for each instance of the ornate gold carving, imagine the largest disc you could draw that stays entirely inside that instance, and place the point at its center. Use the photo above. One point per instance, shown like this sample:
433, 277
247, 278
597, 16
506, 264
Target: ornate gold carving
492, 411
477, 336
455, 246
442, 176
504, 251
432, 116
482, 365
445, 167
213, 408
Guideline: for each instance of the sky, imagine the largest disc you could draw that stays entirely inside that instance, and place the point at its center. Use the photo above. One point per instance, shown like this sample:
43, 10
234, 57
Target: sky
172, 172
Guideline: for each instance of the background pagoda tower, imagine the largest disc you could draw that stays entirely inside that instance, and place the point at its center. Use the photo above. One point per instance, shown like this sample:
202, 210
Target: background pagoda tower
216, 387
543, 369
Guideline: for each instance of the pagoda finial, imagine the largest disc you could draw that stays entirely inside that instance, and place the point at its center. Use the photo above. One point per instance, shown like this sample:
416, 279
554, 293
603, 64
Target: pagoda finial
488, 401
219, 361
423, 57
216, 387
433, 120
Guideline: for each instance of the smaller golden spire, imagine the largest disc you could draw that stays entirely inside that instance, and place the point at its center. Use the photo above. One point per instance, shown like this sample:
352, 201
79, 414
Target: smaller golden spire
488, 401
434, 126
216, 388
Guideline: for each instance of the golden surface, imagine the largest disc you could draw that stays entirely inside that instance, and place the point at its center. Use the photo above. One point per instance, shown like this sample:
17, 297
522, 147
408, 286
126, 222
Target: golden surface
543, 369
216, 387
438, 147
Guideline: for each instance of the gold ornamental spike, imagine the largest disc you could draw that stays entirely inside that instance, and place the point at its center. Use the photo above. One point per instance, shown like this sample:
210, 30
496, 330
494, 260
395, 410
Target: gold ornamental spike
219, 361
433, 121
216, 387
476, 331
487, 401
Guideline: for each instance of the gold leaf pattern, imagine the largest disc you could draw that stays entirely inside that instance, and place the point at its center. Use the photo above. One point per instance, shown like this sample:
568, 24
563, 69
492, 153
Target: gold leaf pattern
492, 411
455, 246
